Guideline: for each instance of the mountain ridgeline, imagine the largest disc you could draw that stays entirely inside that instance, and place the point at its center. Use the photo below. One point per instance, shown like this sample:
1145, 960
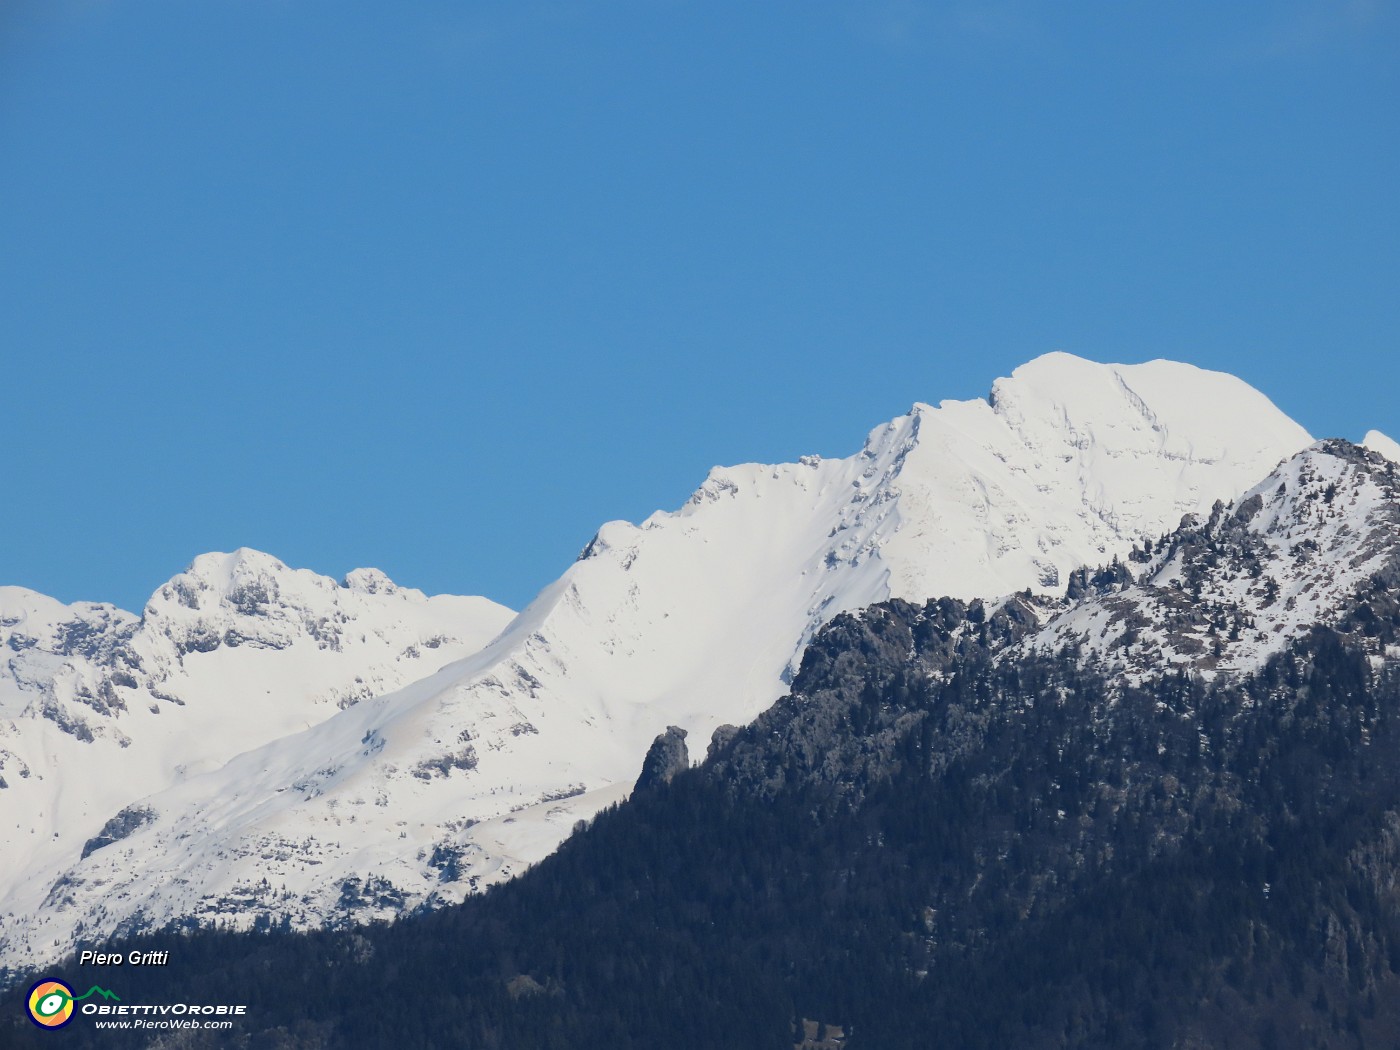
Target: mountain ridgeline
1158, 812
262, 745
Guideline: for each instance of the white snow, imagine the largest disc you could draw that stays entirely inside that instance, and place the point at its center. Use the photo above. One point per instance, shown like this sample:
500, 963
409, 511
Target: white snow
99, 708
694, 618
1324, 524
1378, 442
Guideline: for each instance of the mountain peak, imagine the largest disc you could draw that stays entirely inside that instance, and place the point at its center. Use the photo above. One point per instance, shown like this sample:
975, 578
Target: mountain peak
1181, 409
371, 581
244, 561
1060, 465
694, 618
1378, 442
1224, 593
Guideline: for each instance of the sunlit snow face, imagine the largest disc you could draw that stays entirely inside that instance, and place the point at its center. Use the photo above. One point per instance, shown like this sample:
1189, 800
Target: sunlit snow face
970, 499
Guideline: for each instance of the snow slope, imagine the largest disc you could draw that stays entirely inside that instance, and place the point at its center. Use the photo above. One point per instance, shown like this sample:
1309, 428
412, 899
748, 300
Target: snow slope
1222, 595
99, 707
693, 618
1378, 442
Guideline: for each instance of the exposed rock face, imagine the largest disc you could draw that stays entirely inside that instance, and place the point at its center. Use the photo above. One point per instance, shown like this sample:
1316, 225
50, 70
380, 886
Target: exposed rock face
666, 757
1316, 543
949, 835
850, 712
720, 739
302, 725
100, 710
118, 828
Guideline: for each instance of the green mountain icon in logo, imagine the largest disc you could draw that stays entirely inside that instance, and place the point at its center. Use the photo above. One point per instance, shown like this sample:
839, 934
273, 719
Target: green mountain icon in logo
95, 990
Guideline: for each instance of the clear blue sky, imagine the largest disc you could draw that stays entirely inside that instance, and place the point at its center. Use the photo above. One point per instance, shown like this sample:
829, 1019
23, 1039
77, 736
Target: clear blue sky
440, 287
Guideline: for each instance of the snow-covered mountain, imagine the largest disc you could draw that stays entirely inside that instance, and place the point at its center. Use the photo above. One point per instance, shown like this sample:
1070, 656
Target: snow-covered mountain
694, 618
1378, 442
99, 707
1314, 542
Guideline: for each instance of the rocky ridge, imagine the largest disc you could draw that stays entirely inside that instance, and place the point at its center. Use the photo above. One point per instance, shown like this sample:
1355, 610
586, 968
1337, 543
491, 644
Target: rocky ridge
419, 795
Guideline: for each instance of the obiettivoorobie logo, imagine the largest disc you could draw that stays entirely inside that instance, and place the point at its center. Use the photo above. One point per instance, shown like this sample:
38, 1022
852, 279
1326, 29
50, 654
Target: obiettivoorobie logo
51, 1002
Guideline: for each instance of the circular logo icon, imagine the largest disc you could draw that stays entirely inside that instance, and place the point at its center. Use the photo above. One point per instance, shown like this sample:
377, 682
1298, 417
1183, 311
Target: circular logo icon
51, 1004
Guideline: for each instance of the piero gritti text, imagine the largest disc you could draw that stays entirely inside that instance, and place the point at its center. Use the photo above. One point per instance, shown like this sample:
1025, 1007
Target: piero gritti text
152, 958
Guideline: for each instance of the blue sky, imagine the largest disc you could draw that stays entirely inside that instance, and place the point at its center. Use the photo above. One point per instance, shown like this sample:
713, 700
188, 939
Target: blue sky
439, 287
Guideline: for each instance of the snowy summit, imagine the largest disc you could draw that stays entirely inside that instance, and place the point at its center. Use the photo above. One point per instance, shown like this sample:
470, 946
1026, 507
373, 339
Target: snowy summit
292, 747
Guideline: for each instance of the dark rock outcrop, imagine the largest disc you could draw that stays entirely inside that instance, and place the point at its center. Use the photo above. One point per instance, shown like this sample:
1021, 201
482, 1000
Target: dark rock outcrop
666, 757
118, 828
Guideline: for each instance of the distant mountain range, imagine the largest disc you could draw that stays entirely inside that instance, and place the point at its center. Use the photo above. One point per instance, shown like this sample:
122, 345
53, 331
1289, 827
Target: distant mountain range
1160, 809
265, 747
